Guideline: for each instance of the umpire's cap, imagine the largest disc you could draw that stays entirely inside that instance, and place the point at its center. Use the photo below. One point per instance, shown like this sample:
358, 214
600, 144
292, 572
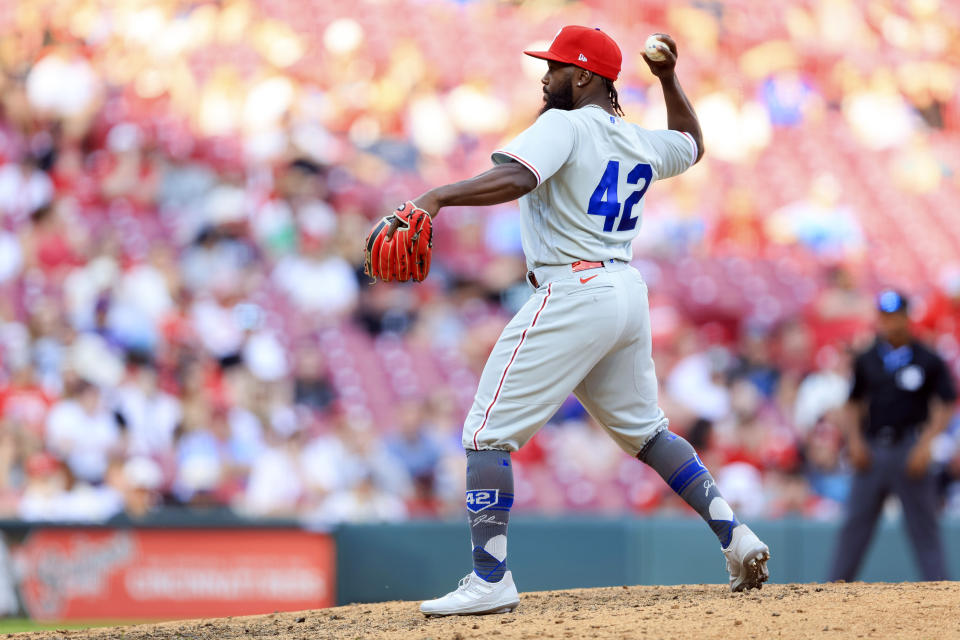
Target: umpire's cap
891, 301
590, 49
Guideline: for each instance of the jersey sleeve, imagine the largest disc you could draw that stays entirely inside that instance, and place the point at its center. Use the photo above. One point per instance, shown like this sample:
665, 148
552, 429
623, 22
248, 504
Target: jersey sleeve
543, 148
942, 383
676, 152
859, 382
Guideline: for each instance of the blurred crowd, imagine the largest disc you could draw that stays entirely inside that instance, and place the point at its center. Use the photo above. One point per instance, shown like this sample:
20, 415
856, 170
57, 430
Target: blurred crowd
184, 187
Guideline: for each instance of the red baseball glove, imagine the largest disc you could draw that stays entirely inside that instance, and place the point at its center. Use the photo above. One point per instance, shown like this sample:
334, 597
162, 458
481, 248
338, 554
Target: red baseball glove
399, 245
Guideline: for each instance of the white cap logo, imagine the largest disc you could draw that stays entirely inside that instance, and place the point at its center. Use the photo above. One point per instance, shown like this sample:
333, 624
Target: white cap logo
582, 58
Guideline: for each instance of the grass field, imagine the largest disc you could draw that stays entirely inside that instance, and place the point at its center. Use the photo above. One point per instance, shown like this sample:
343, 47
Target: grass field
19, 625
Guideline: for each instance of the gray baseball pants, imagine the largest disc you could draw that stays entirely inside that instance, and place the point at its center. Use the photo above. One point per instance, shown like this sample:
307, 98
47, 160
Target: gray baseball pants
887, 474
586, 333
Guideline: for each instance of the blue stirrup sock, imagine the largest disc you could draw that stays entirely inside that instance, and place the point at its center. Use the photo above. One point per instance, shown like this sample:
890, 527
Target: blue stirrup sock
489, 498
679, 465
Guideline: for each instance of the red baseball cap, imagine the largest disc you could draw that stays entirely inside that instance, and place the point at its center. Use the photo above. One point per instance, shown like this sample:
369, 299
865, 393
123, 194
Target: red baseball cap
590, 49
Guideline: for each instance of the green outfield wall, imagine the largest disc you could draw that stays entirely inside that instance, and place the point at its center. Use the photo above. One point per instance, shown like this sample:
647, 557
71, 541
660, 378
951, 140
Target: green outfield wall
416, 560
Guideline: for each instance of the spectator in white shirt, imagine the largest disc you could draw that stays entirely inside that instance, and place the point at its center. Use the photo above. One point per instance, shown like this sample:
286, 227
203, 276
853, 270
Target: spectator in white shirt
151, 415
82, 433
275, 486
46, 486
24, 188
365, 502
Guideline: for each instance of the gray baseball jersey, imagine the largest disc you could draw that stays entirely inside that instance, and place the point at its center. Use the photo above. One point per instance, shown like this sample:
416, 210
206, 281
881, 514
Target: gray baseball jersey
593, 170
586, 328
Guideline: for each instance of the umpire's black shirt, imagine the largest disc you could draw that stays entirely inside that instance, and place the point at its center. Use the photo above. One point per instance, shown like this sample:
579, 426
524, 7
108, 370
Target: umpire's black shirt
897, 385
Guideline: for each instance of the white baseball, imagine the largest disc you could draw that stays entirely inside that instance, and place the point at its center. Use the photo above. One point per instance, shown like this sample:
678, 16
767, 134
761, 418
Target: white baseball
655, 48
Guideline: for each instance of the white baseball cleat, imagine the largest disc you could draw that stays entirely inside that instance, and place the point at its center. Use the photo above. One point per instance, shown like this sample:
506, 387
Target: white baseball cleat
475, 596
746, 559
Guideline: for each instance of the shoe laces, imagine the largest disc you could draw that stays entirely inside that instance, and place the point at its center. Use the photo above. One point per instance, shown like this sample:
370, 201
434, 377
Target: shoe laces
463, 585
730, 560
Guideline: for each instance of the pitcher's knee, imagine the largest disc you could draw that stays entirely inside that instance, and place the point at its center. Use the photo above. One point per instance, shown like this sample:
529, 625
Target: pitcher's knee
632, 439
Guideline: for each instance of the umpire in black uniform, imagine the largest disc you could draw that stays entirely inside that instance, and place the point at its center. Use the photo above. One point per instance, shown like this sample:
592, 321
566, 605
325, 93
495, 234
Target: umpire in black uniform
902, 397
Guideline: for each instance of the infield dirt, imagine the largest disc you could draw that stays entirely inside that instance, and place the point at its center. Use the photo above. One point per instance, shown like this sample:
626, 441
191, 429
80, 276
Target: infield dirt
823, 611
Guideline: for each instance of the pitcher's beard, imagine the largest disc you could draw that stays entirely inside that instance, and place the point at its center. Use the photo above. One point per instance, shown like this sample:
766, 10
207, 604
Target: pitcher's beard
562, 98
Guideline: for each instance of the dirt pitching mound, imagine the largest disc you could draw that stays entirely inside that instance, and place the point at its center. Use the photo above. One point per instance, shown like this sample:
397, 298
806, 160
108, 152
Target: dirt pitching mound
828, 611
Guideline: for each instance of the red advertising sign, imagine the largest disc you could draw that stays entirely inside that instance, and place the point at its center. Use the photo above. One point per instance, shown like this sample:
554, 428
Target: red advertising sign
69, 574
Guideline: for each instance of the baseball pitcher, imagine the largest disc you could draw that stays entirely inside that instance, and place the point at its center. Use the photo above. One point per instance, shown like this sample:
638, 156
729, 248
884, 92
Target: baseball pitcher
581, 173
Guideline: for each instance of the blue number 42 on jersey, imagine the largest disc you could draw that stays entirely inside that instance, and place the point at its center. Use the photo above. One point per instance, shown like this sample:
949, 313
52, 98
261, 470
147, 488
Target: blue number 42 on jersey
604, 201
